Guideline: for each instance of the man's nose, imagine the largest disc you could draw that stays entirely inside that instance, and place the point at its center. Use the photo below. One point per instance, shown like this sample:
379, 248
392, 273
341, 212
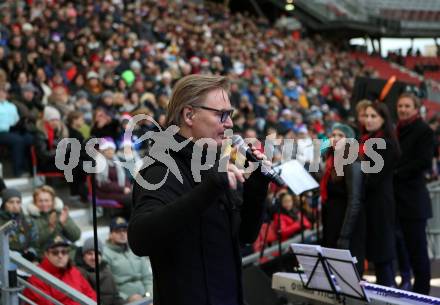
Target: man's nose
228, 123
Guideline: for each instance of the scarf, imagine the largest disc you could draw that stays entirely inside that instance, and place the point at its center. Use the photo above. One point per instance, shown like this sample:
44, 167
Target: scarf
403, 123
365, 138
329, 164
50, 135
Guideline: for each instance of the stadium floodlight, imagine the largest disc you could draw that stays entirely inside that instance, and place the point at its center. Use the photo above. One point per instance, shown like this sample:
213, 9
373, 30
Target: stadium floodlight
289, 7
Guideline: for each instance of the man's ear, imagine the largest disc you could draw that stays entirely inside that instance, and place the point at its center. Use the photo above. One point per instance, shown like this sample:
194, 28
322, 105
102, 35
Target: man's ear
188, 115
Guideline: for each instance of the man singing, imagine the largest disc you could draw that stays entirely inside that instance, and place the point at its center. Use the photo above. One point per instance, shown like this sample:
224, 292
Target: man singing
192, 231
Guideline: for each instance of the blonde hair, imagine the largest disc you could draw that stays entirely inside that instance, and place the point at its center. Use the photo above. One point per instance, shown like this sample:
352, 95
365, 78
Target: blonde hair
362, 105
190, 91
44, 189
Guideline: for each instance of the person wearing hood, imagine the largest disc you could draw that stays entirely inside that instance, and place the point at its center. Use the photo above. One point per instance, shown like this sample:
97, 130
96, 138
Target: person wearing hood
132, 274
51, 218
23, 236
56, 262
85, 261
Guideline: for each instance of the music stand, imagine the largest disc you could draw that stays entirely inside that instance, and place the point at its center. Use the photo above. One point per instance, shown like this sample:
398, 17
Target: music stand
329, 270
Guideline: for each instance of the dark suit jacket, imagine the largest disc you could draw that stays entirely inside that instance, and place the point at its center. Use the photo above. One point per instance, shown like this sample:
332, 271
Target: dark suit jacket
417, 147
192, 232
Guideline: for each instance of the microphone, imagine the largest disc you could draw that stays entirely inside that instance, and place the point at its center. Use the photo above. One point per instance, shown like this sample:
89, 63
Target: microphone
246, 151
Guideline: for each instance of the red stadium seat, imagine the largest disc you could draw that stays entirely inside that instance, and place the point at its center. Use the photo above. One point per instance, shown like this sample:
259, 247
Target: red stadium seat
37, 173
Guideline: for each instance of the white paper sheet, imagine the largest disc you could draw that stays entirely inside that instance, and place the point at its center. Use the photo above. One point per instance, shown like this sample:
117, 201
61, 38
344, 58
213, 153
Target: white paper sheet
344, 271
296, 177
319, 279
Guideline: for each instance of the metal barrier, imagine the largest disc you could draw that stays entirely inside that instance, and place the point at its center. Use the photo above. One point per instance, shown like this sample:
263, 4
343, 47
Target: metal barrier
254, 258
433, 229
12, 286
7, 277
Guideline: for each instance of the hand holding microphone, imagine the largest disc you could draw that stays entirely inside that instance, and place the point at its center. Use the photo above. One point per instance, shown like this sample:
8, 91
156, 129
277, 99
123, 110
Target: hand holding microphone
253, 155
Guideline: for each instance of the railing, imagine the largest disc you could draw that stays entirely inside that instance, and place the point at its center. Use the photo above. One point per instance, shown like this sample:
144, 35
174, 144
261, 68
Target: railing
273, 250
12, 286
7, 276
433, 230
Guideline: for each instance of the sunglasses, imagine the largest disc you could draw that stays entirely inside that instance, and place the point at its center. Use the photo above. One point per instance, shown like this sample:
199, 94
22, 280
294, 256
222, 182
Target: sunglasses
224, 114
56, 252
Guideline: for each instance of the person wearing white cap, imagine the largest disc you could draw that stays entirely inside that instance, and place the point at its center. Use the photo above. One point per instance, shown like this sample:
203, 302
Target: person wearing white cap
51, 130
112, 182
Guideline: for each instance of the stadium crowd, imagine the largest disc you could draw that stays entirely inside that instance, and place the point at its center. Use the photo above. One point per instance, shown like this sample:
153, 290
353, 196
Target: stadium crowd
83, 70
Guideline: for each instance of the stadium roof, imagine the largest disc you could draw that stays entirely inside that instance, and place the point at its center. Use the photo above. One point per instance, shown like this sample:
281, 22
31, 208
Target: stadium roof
401, 18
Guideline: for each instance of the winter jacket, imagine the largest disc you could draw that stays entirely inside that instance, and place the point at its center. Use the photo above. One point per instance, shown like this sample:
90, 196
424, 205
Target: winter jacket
108, 290
22, 237
70, 276
132, 274
343, 215
417, 145
41, 220
45, 153
290, 226
380, 207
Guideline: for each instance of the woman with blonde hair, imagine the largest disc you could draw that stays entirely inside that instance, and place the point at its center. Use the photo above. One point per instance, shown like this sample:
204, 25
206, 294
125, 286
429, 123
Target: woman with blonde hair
51, 218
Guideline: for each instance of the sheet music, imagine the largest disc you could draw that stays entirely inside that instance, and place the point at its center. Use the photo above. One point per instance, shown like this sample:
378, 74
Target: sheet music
319, 279
345, 270
296, 177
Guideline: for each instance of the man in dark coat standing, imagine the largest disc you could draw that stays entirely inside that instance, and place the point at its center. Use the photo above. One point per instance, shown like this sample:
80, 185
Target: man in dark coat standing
192, 228
413, 204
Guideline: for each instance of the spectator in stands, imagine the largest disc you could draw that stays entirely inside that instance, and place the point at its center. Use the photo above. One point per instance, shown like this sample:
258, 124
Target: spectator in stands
83, 105
18, 142
85, 261
75, 125
78, 130
343, 216
112, 182
59, 99
56, 262
413, 203
51, 218
28, 107
105, 125
23, 236
51, 130
290, 217
131, 158
379, 193
132, 273
361, 106
304, 153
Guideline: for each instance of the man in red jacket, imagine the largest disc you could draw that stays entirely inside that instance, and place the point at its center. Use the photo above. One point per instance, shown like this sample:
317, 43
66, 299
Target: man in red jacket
56, 261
